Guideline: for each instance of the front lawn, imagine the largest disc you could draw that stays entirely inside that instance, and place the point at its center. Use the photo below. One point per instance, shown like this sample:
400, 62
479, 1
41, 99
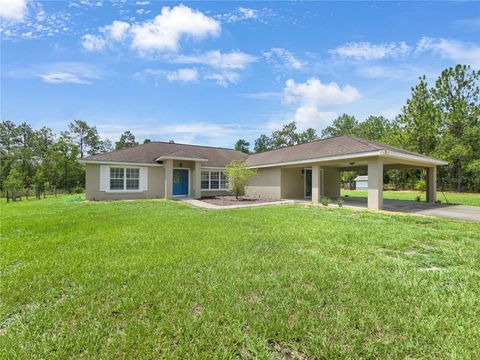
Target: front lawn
472, 199
155, 279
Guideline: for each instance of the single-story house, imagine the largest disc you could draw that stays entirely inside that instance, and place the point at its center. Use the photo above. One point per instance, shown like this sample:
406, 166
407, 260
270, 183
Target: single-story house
311, 170
361, 182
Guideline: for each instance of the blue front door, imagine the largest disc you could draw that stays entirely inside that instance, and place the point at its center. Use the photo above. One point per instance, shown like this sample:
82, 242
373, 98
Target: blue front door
180, 182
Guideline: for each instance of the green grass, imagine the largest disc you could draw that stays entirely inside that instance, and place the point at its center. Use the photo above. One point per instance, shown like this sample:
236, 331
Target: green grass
472, 199
159, 279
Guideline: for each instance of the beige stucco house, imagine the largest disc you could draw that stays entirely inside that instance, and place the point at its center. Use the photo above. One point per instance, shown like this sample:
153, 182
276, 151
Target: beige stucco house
312, 170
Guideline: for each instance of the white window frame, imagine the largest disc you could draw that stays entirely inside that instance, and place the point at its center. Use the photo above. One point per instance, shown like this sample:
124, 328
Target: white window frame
210, 181
139, 190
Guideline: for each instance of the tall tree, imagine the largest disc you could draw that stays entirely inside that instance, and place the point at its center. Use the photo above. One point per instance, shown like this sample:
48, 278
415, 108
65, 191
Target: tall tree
342, 125
375, 128
456, 93
9, 140
26, 153
419, 121
127, 140
262, 144
65, 156
243, 146
307, 136
286, 137
84, 137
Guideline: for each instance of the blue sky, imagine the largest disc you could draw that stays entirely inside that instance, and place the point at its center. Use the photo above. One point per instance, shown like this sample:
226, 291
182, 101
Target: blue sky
212, 72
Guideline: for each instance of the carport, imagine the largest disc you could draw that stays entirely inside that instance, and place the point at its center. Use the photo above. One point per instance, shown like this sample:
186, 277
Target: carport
312, 170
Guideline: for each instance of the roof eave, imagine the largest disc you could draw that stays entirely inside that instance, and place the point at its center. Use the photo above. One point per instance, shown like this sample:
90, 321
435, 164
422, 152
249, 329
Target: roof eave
184, 158
108, 162
411, 157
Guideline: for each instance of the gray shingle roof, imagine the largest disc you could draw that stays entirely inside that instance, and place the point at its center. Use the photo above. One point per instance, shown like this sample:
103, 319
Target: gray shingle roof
220, 157
335, 146
148, 153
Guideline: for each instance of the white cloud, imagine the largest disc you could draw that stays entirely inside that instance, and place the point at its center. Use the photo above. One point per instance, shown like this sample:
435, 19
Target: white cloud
314, 92
404, 72
184, 75
117, 30
283, 58
243, 14
451, 49
217, 59
36, 22
308, 116
13, 10
308, 96
224, 78
140, 3
368, 51
163, 33
160, 34
93, 42
63, 78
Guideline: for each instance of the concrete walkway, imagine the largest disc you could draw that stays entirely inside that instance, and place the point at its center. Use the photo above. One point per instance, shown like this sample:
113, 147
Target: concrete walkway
456, 212
206, 205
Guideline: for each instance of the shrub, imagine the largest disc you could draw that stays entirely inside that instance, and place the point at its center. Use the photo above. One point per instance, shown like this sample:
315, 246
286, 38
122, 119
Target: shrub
324, 201
420, 185
340, 202
238, 173
78, 190
418, 198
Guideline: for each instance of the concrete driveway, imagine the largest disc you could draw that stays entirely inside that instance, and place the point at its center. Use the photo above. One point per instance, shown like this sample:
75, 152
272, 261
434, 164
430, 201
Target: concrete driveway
457, 212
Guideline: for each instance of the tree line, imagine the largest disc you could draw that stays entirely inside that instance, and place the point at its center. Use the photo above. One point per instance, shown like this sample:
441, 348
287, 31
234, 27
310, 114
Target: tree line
41, 160
441, 120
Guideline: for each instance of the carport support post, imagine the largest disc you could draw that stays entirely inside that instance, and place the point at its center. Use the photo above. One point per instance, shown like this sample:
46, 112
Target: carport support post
375, 184
316, 184
168, 166
431, 185
197, 191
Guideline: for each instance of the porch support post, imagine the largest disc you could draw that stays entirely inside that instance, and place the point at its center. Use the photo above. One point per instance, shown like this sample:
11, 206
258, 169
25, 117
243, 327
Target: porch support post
168, 166
316, 184
197, 188
431, 184
375, 184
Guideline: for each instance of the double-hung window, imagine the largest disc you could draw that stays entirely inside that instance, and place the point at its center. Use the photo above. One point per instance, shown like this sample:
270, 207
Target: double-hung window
214, 180
122, 179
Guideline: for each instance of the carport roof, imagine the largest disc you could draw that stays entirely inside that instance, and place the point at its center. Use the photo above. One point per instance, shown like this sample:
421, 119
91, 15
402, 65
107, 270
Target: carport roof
343, 146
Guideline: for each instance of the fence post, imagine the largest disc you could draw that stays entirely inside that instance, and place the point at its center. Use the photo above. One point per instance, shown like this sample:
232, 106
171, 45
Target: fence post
8, 197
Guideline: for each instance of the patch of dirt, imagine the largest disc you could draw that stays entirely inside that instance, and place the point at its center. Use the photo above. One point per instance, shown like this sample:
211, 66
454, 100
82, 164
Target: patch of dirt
231, 200
282, 352
431, 268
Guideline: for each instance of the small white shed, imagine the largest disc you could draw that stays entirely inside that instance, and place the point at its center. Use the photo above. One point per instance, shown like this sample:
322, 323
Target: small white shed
361, 182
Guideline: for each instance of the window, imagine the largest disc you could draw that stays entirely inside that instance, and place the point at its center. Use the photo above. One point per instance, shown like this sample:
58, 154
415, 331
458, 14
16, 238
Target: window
223, 181
116, 178
214, 180
122, 179
133, 178
205, 180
